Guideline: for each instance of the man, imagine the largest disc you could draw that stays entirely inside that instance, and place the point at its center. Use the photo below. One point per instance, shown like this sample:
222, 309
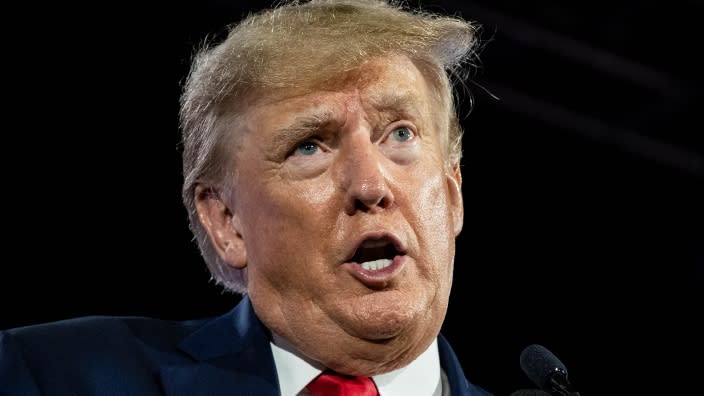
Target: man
322, 179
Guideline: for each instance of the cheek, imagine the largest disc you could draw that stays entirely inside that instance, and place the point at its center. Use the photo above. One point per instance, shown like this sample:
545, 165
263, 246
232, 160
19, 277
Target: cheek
429, 197
432, 220
283, 220
272, 201
316, 194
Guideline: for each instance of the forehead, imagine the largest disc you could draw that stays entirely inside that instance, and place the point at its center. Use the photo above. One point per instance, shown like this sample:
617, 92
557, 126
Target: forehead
388, 83
382, 78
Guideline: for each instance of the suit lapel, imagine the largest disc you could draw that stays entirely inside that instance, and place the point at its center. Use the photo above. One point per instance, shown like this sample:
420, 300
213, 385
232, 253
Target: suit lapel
459, 386
204, 379
231, 356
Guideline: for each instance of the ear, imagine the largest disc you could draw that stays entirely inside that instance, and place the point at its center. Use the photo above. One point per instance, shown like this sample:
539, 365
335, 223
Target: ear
221, 225
454, 186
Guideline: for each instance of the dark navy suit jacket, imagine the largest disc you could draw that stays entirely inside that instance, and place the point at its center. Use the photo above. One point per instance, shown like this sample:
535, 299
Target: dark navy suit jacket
229, 355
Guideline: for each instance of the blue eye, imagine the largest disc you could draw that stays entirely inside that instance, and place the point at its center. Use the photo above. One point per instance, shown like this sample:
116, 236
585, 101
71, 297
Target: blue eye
307, 148
402, 134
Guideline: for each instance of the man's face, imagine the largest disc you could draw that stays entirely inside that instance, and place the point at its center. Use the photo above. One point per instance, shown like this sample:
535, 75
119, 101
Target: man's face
348, 213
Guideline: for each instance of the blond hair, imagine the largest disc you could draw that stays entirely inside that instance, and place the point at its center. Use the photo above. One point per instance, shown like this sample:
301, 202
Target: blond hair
303, 44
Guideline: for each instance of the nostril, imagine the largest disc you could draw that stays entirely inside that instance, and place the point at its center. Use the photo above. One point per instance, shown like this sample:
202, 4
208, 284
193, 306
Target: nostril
366, 205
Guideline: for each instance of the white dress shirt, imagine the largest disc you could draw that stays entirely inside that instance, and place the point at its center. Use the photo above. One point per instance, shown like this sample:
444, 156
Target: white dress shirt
422, 377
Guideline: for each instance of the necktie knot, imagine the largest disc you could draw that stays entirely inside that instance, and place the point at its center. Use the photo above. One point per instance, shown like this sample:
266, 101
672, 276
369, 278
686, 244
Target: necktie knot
330, 383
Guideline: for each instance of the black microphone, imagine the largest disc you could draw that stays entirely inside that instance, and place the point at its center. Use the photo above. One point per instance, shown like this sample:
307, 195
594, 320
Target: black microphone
546, 371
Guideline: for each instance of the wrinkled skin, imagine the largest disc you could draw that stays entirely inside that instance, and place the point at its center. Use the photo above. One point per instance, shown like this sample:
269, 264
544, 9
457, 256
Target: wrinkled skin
318, 172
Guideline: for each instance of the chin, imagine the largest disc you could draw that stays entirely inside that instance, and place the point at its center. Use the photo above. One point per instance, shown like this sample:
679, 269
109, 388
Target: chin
379, 353
383, 329
383, 318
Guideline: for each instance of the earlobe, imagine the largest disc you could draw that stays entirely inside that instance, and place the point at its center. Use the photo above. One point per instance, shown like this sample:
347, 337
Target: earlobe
221, 225
454, 181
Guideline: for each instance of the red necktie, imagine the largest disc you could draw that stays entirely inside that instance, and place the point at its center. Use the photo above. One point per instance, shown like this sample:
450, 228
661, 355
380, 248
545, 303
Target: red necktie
330, 383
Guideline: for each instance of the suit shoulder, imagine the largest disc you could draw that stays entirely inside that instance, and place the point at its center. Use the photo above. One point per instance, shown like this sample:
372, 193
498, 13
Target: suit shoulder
71, 353
88, 327
93, 335
93, 354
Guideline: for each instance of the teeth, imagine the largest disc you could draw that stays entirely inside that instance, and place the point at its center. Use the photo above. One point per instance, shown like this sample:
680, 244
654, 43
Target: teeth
376, 264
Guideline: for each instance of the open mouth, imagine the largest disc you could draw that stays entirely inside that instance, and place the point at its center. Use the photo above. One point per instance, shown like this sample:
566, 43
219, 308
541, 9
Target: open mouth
376, 254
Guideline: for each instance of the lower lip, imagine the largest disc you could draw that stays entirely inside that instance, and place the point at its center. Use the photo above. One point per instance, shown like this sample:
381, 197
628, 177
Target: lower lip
379, 278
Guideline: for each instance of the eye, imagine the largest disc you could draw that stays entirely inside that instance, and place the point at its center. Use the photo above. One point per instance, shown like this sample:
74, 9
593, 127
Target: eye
307, 148
401, 143
402, 134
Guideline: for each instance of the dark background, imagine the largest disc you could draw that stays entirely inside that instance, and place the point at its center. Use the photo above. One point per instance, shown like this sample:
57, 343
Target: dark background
583, 175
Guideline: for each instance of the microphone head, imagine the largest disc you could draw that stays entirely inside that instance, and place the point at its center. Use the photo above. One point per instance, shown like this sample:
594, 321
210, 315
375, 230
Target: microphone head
539, 364
530, 392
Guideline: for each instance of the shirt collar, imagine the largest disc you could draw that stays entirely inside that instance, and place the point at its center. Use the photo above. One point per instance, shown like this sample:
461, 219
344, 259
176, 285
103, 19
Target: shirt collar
295, 371
420, 377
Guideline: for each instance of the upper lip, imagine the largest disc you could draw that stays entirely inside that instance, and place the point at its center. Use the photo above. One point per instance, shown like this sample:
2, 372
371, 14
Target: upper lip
375, 235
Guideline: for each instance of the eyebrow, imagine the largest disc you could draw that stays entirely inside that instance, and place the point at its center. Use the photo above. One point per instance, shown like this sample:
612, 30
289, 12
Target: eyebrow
302, 127
400, 103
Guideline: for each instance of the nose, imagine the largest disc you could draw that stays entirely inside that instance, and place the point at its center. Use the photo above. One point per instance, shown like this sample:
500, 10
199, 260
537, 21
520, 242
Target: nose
364, 177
